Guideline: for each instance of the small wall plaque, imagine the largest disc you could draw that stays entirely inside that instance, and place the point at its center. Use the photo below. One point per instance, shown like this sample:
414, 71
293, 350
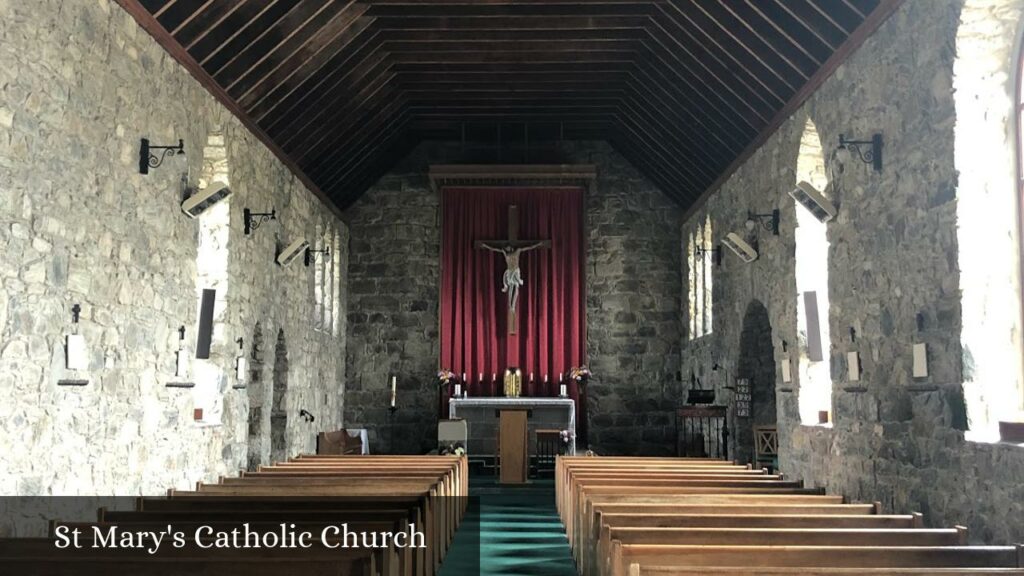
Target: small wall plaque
72, 382
77, 354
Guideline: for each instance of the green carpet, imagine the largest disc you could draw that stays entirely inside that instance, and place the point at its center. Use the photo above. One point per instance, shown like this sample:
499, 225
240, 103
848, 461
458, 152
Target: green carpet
517, 530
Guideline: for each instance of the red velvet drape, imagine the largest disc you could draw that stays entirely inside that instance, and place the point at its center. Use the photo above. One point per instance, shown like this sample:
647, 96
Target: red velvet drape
551, 315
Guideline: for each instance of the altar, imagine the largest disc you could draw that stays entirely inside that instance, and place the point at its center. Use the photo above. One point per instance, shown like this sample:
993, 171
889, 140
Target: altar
481, 418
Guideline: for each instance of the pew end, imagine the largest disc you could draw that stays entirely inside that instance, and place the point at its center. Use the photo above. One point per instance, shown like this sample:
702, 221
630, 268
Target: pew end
918, 519
878, 507
961, 532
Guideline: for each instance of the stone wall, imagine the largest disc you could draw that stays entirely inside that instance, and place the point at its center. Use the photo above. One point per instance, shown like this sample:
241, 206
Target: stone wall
633, 276
81, 83
893, 278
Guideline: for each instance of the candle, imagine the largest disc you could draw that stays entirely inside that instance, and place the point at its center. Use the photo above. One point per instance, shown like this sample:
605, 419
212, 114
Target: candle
559, 376
545, 378
463, 376
531, 376
394, 385
481, 378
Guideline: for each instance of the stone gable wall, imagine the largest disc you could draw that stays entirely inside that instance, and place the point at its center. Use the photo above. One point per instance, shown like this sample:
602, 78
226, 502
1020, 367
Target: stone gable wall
633, 308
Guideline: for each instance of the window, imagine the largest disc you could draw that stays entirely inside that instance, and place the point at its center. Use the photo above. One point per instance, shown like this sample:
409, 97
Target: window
987, 94
699, 261
325, 280
212, 273
812, 285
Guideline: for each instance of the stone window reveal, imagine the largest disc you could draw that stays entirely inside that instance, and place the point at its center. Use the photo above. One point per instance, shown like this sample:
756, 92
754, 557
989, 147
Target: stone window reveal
699, 284
812, 277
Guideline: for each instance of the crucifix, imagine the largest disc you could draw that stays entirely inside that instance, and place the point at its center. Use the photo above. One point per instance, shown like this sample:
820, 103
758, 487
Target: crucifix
510, 249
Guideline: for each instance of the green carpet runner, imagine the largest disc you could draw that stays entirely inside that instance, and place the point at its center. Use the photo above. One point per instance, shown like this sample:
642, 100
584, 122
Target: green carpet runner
519, 533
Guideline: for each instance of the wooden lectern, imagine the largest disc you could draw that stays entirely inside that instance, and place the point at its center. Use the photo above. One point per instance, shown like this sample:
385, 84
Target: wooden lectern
513, 447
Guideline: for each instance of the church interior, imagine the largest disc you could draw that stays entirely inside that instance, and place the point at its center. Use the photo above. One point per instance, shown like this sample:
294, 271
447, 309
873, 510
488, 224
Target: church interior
591, 287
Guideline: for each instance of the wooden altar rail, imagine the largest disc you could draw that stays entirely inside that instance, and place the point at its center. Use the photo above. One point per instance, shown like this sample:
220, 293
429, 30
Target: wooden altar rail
683, 517
371, 493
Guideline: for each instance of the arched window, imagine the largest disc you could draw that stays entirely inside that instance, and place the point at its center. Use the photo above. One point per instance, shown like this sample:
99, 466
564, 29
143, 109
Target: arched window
812, 287
699, 261
987, 156
212, 273
325, 276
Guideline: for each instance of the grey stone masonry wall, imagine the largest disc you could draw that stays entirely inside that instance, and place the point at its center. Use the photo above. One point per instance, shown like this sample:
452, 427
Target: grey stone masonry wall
80, 84
893, 277
633, 328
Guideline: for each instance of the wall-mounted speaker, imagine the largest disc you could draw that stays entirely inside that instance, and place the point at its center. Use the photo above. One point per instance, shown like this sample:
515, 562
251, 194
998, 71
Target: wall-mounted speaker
205, 336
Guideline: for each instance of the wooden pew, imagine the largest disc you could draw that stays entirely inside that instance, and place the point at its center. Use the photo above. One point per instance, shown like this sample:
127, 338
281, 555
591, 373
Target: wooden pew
655, 517
624, 555
39, 557
369, 493
642, 570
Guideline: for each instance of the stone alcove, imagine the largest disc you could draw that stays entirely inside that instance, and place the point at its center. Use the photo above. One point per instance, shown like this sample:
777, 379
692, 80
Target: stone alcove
258, 436
278, 409
757, 364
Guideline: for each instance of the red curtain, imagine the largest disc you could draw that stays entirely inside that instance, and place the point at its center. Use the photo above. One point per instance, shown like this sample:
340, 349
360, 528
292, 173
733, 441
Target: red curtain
551, 316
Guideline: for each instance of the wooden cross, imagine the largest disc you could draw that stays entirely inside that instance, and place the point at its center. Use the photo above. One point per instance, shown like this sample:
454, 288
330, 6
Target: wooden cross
511, 248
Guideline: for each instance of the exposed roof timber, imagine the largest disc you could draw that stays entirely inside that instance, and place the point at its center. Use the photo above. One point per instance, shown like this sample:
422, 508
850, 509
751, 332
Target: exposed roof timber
340, 87
854, 41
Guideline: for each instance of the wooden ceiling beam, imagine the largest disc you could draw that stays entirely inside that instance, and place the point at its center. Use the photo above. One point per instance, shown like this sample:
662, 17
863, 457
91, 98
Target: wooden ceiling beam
188, 18
682, 37
291, 32
253, 31
326, 125
287, 80
866, 29
205, 21
824, 29
737, 99
344, 74
296, 53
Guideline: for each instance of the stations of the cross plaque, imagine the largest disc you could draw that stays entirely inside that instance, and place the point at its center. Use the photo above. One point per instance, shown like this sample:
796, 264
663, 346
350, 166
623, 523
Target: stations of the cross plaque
511, 248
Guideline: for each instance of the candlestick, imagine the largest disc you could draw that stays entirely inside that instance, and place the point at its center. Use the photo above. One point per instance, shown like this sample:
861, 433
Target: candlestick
394, 391
458, 390
562, 391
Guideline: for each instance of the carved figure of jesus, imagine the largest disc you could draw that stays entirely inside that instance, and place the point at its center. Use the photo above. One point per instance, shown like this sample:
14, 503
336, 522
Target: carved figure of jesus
513, 277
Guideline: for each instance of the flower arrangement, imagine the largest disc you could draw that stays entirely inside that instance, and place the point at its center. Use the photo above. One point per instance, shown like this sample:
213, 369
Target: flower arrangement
580, 373
566, 436
445, 377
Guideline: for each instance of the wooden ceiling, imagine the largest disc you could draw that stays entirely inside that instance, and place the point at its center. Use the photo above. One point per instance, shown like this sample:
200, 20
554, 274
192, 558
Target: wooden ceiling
342, 90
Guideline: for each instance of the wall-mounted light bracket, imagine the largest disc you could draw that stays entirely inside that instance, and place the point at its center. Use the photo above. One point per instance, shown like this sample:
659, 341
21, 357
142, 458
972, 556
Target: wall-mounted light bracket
151, 156
869, 151
76, 311
253, 220
769, 222
716, 254
181, 333
311, 254
306, 416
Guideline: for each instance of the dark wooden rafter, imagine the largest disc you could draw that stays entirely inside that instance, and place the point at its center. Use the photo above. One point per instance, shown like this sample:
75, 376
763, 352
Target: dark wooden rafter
341, 89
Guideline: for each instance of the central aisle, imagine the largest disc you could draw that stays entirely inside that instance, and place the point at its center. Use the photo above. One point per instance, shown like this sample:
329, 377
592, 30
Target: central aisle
519, 532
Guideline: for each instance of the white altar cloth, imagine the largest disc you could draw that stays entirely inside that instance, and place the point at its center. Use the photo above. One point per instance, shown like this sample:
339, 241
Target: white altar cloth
548, 412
